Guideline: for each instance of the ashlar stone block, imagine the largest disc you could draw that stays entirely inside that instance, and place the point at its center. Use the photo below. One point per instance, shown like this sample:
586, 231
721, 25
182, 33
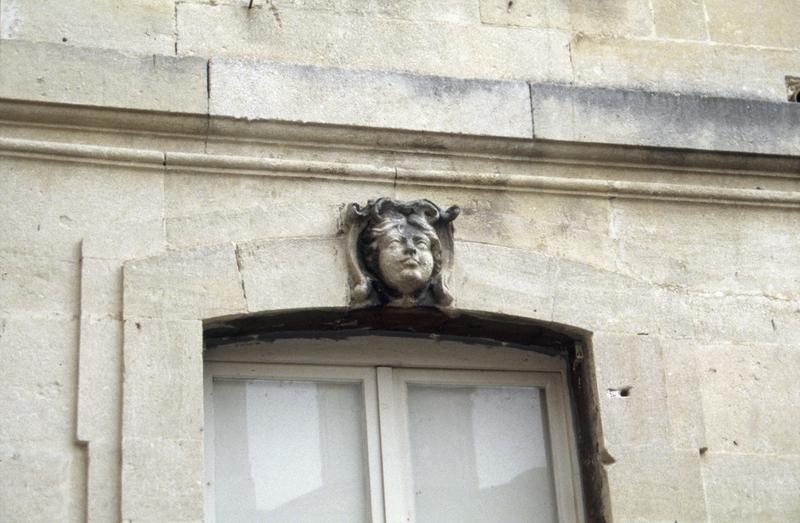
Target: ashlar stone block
599, 300
99, 381
52, 206
101, 289
272, 91
656, 485
481, 276
45, 72
162, 464
770, 24
682, 378
38, 474
161, 480
143, 26
627, 116
206, 209
294, 273
38, 358
627, 18
632, 394
439, 48
680, 19
194, 284
33, 286
683, 67
750, 398
162, 379
526, 13
729, 252
745, 319
752, 487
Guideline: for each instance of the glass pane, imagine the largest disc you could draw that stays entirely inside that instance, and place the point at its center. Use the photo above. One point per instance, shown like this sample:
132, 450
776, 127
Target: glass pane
480, 454
289, 451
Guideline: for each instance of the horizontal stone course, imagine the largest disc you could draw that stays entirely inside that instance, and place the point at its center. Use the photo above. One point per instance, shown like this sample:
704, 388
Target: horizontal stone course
273, 91
333, 39
142, 26
56, 73
653, 119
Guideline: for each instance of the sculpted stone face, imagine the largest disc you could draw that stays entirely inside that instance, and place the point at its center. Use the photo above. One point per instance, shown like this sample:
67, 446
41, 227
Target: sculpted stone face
405, 259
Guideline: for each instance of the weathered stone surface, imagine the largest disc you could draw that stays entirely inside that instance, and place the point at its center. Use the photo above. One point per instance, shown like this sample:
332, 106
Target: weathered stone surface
163, 373
210, 210
449, 49
99, 381
683, 67
448, 10
272, 91
52, 206
682, 378
103, 482
752, 487
745, 23
632, 394
162, 480
162, 464
144, 26
598, 300
101, 288
729, 251
37, 287
275, 273
634, 117
621, 18
745, 319
749, 395
526, 13
463, 11
195, 284
126, 241
46, 72
38, 358
680, 19
478, 278
41, 474
671, 479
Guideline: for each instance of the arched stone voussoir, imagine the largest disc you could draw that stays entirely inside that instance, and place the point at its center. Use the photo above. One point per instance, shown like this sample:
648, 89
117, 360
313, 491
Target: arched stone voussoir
190, 284
293, 273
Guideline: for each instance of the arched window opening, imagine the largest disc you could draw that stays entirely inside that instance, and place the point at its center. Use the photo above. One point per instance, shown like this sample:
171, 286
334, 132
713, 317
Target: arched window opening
396, 415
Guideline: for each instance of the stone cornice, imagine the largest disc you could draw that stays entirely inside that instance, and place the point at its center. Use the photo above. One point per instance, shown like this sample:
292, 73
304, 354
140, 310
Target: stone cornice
184, 162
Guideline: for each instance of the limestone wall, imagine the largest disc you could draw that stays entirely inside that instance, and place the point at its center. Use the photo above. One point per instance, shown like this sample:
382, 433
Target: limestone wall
738, 48
157, 168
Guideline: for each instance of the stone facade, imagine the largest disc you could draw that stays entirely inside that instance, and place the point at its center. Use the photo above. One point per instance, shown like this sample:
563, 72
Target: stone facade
164, 163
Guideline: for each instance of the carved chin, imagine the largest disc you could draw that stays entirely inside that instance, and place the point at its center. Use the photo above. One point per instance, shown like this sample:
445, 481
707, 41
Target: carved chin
408, 281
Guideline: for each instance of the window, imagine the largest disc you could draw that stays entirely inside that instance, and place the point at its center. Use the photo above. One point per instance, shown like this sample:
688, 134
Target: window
387, 429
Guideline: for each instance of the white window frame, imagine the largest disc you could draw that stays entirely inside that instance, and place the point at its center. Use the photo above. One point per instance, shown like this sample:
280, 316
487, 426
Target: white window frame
383, 365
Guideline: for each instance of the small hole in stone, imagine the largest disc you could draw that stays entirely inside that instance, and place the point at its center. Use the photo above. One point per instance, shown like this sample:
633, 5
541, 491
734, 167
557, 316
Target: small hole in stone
64, 39
703, 450
793, 88
622, 392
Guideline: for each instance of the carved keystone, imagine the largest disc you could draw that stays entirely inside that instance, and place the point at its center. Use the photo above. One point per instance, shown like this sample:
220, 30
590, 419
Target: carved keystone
399, 253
